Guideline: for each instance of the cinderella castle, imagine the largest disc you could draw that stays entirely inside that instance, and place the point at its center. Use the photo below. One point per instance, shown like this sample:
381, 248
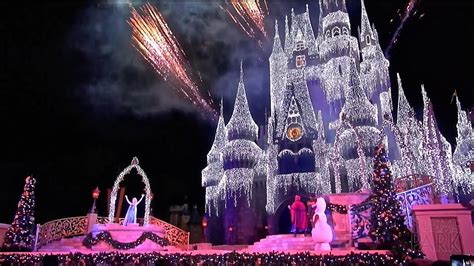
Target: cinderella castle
331, 104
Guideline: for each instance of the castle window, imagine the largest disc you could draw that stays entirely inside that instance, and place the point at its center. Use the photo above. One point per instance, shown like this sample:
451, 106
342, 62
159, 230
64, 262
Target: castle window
345, 31
340, 70
300, 61
328, 34
336, 31
299, 46
367, 39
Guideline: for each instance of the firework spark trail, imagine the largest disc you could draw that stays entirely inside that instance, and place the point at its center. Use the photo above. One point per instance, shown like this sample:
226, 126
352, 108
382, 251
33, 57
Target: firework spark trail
249, 15
155, 41
410, 10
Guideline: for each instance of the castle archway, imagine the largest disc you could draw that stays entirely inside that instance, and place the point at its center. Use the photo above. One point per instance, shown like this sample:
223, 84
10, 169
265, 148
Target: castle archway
120, 177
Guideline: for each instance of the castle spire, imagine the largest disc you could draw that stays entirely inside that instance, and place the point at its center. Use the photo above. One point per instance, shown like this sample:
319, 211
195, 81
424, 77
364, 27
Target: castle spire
320, 37
219, 138
276, 40
241, 123
357, 106
366, 36
287, 36
222, 107
463, 125
404, 108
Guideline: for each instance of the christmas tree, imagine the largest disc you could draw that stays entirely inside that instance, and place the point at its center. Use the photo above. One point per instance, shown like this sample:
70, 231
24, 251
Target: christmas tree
19, 236
388, 228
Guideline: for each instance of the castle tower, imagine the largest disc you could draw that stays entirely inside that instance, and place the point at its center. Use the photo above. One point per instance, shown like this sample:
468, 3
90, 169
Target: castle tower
374, 66
408, 138
241, 155
278, 72
360, 136
337, 49
464, 153
437, 155
463, 156
212, 174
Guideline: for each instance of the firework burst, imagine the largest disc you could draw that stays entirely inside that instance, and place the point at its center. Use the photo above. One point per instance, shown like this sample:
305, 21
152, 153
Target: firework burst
409, 11
249, 15
155, 41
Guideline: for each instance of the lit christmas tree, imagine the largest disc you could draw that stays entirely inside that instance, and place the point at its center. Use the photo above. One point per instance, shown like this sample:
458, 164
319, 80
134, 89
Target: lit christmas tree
19, 236
388, 228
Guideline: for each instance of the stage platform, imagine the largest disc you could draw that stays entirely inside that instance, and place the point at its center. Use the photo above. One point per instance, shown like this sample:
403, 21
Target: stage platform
229, 249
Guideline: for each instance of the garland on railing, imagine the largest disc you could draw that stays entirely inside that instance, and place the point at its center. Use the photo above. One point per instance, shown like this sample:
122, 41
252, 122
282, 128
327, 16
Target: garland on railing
232, 258
21, 258
90, 241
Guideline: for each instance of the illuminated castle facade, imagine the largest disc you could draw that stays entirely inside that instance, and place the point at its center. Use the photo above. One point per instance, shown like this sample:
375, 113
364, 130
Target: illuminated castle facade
330, 106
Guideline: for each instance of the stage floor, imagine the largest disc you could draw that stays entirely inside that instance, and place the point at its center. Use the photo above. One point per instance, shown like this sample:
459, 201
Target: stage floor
223, 250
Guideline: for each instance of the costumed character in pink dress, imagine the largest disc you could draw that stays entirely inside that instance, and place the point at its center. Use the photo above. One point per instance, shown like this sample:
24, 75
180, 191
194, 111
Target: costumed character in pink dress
298, 216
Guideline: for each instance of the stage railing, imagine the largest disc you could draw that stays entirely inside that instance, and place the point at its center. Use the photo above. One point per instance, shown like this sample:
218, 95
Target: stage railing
60, 228
76, 226
175, 235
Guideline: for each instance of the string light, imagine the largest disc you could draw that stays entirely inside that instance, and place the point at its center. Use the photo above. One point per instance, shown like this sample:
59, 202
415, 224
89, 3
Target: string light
331, 63
463, 155
90, 240
120, 177
231, 258
19, 236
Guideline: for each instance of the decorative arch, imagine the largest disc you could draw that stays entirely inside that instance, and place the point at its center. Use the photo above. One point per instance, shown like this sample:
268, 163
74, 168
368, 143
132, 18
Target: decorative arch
345, 31
336, 31
120, 177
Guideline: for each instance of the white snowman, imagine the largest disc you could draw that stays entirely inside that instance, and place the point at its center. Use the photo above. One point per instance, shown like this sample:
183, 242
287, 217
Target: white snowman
322, 232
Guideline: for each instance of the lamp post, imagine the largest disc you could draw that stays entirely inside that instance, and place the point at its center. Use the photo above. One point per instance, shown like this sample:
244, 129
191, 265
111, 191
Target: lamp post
95, 195
204, 227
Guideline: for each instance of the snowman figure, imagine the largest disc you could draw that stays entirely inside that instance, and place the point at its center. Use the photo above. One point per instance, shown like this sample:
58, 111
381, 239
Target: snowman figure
321, 233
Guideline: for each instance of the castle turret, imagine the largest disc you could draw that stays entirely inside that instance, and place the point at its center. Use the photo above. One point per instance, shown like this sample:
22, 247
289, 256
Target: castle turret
463, 155
212, 174
288, 40
366, 35
408, 138
374, 66
357, 108
360, 136
278, 71
404, 111
337, 48
300, 43
241, 156
241, 151
437, 151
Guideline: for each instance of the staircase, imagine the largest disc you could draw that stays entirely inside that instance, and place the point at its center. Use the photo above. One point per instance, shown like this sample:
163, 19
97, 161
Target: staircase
285, 242
288, 242
65, 245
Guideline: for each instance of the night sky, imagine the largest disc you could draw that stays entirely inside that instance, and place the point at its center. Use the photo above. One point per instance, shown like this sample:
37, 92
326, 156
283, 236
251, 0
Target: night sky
78, 101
